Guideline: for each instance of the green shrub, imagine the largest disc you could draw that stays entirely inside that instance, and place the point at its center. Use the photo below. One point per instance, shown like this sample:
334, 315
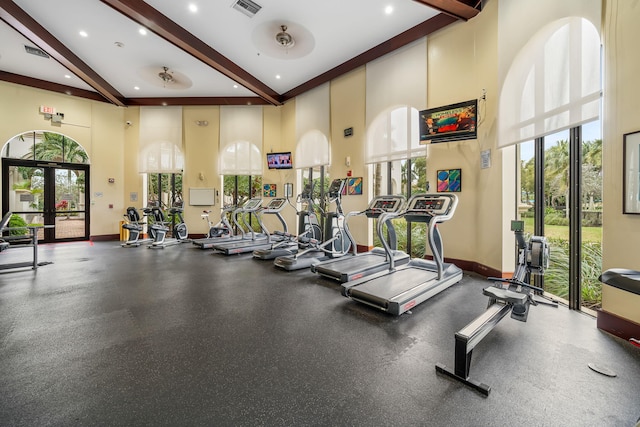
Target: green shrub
17, 221
556, 278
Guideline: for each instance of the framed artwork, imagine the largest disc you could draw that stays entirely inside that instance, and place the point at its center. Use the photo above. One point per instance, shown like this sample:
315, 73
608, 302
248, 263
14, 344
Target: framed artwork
269, 190
631, 177
449, 180
354, 186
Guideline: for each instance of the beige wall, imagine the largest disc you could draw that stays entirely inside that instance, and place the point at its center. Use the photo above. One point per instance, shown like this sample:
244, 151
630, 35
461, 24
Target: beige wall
462, 62
348, 110
98, 127
621, 233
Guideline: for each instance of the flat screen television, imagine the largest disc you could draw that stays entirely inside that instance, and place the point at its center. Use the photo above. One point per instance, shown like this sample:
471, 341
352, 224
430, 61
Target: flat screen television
453, 122
279, 160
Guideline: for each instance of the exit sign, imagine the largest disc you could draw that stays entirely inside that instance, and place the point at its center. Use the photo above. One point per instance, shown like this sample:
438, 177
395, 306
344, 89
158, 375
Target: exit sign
47, 110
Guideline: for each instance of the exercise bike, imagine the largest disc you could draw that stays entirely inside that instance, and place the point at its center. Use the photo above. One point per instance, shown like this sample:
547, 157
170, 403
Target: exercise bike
135, 226
515, 295
222, 228
160, 228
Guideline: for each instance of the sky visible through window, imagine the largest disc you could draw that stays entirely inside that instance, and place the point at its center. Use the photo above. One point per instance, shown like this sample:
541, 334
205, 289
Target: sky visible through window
590, 132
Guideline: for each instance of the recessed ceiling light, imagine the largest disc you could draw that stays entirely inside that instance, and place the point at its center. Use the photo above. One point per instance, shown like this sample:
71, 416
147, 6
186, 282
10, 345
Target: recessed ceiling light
136, 88
388, 10
278, 76
67, 76
83, 33
193, 8
143, 31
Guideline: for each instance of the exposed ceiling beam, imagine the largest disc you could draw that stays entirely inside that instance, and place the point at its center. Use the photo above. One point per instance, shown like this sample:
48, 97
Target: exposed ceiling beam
153, 20
412, 34
17, 18
452, 8
50, 86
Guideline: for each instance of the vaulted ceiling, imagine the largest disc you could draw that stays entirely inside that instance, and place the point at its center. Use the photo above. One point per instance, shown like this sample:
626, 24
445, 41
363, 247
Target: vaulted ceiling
222, 52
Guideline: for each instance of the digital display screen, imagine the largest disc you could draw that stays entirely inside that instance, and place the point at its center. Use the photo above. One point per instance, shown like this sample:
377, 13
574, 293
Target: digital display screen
386, 205
428, 204
279, 160
276, 204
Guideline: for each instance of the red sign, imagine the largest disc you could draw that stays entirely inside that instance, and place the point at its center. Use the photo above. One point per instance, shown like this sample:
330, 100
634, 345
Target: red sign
47, 110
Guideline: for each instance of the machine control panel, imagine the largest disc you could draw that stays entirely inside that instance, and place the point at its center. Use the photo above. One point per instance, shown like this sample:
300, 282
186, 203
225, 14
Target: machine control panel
275, 205
335, 189
422, 207
252, 205
384, 204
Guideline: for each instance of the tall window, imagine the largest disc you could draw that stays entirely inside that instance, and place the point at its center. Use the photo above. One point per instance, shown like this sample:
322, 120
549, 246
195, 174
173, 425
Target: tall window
406, 177
550, 104
546, 162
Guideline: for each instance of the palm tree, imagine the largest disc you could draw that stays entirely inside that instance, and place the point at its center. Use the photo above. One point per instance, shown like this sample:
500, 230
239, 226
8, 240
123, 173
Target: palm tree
58, 148
556, 172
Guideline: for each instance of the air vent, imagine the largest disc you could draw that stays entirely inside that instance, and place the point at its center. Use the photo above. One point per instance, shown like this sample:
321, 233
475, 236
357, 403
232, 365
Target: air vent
35, 51
247, 7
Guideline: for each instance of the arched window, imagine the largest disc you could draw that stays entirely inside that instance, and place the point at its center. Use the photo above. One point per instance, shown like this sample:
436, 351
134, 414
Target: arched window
45, 146
161, 140
553, 82
312, 128
394, 135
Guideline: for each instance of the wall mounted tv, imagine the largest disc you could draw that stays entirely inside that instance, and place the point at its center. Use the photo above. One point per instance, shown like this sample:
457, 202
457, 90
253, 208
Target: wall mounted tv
453, 122
279, 160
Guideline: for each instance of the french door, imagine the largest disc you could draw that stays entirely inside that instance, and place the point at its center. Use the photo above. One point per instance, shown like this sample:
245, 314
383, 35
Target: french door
48, 193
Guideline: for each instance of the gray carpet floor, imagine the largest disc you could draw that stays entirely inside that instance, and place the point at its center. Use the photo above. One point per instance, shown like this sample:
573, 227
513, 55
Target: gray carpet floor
113, 336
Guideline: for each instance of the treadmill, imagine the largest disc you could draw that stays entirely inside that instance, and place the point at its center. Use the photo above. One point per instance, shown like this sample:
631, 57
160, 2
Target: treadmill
354, 267
308, 227
398, 290
257, 241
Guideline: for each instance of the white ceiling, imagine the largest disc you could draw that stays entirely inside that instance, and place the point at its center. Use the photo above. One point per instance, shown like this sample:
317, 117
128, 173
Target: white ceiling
327, 33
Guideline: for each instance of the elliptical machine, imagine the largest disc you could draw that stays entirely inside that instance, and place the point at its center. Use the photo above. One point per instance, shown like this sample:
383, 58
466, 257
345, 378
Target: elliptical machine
161, 228
336, 242
514, 295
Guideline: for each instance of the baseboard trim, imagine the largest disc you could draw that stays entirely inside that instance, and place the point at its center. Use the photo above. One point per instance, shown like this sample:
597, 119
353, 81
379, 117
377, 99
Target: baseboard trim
475, 267
618, 326
104, 237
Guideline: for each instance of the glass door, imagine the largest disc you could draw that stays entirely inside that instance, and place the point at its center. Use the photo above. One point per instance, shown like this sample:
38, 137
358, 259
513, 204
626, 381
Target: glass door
48, 194
69, 212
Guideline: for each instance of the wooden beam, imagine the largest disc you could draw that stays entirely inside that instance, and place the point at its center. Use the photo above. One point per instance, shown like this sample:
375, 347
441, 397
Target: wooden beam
50, 86
18, 19
153, 20
452, 8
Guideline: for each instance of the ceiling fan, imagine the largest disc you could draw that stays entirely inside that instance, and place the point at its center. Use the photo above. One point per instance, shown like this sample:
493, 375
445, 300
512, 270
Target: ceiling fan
165, 77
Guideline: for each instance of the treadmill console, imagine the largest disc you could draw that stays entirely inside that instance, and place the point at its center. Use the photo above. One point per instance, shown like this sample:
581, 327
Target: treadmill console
425, 206
251, 205
383, 204
275, 205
